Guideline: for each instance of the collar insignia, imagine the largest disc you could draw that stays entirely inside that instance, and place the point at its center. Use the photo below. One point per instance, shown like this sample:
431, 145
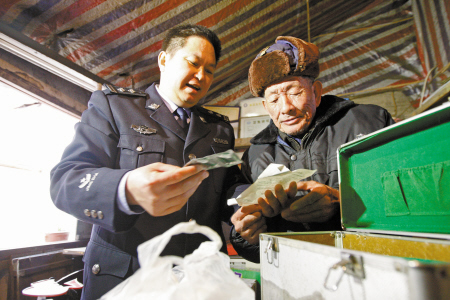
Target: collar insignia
142, 129
153, 106
109, 88
220, 141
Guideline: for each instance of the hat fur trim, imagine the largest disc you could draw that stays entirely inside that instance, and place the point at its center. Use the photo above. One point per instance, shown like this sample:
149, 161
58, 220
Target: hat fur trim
274, 66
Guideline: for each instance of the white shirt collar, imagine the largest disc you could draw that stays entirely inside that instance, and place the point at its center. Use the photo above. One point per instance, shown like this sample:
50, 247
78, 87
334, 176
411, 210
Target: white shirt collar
170, 105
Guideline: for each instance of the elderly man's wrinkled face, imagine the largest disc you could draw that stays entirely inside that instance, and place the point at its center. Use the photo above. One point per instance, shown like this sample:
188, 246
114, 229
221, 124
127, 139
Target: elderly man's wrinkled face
292, 103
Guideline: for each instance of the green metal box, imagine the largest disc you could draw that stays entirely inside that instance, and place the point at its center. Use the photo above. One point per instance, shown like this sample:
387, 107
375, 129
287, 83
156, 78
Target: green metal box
398, 179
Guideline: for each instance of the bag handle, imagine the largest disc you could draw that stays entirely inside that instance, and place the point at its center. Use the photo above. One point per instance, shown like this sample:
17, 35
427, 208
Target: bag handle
152, 249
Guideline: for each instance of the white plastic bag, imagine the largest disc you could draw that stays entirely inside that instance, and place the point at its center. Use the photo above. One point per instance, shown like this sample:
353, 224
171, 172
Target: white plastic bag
204, 274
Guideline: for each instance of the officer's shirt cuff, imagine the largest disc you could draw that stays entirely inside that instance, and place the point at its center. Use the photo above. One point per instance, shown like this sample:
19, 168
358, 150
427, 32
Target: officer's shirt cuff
122, 199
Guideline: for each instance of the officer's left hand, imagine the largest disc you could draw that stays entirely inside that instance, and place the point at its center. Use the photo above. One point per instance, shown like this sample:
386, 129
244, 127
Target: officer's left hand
319, 205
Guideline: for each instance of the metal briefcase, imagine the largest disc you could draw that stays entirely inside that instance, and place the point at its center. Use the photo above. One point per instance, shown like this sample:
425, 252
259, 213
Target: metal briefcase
395, 214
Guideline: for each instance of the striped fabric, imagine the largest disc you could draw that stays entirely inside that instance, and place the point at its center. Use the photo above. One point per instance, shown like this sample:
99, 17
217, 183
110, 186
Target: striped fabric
119, 40
432, 18
373, 49
379, 47
365, 44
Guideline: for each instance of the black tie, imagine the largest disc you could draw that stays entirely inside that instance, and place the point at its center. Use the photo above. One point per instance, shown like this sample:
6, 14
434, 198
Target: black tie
182, 120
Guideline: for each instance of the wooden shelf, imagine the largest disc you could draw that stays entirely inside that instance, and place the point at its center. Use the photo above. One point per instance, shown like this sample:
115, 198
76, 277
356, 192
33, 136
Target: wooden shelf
242, 143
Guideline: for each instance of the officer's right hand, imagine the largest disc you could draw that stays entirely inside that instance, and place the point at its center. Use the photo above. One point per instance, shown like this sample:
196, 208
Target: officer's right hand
162, 189
249, 222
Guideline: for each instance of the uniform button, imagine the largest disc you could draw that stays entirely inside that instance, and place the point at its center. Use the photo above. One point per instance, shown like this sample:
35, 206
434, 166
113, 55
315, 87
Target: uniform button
139, 149
87, 212
192, 156
293, 157
94, 213
100, 214
96, 269
191, 219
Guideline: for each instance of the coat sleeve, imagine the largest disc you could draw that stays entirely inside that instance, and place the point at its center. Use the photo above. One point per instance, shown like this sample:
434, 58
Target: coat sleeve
242, 247
85, 182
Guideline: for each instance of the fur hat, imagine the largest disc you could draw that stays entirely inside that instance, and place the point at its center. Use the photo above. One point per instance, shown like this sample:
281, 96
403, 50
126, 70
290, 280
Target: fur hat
289, 56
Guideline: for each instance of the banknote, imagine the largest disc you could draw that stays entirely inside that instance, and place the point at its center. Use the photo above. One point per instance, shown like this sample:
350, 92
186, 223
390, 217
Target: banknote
219, 160
257, 189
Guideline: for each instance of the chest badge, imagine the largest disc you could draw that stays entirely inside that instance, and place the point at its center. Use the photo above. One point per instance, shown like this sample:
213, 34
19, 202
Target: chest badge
142, 129
220, 141
153, 106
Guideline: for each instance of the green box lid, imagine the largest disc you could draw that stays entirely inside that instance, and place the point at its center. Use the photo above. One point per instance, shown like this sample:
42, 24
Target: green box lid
398, 178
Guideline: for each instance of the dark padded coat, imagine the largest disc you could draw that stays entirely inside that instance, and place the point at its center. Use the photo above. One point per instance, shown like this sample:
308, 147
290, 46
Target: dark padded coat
105, 147
337, 122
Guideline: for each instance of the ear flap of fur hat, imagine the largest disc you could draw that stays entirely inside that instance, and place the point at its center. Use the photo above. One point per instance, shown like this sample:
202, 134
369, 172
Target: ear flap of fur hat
272, 66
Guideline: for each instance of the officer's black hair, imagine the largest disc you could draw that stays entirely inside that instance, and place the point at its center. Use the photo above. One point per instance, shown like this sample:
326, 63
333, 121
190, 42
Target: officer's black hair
176, 37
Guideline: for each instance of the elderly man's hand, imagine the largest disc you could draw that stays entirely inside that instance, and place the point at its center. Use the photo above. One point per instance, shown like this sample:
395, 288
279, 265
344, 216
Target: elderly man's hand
319, 205
249, 222
272, 205
162, 189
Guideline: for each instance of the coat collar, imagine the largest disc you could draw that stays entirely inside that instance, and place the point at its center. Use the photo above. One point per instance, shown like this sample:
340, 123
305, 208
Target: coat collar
329, 106
158, 111
198, 128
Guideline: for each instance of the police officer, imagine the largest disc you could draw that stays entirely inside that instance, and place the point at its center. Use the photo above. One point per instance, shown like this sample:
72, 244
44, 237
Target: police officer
124, 171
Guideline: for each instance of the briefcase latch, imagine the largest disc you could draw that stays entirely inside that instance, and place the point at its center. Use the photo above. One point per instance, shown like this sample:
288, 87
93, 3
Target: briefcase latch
271, 249
350, 264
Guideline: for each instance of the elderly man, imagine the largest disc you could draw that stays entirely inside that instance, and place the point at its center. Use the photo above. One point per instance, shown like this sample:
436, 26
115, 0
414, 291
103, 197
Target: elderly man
305, 131
124, 171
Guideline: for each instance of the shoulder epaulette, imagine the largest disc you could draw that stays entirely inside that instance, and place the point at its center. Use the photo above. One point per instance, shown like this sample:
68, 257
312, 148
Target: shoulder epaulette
112, 89
213, 114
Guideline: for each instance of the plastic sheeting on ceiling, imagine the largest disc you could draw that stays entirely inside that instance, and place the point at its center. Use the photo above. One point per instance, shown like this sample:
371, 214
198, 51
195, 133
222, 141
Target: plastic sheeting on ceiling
365, 44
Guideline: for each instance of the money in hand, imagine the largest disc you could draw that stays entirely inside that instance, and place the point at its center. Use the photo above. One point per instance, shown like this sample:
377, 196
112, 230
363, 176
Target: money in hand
224, 159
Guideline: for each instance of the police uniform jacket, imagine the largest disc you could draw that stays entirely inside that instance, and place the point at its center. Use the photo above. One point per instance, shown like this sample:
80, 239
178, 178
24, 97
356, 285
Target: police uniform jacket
121, 131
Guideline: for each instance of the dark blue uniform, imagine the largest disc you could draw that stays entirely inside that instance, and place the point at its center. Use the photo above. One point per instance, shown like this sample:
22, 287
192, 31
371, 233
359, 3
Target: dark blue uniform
121, 131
